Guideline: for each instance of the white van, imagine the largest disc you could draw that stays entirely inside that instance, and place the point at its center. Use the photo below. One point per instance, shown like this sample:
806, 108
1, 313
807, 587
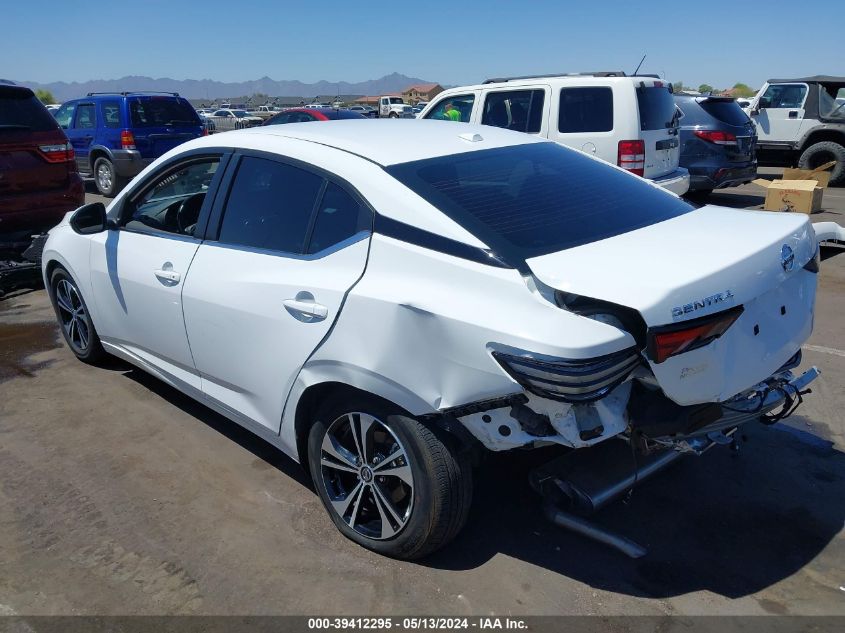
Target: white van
627, 121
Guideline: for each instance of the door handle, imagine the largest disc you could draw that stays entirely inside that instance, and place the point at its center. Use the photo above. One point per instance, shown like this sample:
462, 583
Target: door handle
308, 309
168, 276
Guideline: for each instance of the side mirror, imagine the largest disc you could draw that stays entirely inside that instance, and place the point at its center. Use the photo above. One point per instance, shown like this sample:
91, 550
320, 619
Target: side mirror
89, 219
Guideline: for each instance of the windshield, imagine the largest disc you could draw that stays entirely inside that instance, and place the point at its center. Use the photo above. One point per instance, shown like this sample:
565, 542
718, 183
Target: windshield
160, 111
657, 108
726, 111
832, 106
21, 110
537, 198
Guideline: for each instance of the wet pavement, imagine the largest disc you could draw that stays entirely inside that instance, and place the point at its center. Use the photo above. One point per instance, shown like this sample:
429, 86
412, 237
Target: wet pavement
119, 495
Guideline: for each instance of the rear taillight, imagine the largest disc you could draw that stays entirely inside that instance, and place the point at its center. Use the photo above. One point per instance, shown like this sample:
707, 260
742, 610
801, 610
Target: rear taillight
683, 337
632, 156
717, 137
58, 153
204, 131
127, 141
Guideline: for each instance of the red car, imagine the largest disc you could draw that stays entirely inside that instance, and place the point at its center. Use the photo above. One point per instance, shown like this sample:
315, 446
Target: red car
39, 181
303, 115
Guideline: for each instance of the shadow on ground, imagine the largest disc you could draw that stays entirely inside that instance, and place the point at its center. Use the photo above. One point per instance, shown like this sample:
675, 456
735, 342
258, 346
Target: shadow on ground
729, 523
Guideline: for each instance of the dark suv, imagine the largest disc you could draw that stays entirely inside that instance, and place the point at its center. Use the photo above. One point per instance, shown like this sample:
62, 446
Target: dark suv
116, 135
39, 181
718, 142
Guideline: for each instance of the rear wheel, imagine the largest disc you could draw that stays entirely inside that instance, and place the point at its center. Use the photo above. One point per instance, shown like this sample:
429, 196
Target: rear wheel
105, 177
820, 153
388, 482
74, 319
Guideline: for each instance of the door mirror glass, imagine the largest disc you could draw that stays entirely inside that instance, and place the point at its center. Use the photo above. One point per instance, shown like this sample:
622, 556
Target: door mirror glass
89, 219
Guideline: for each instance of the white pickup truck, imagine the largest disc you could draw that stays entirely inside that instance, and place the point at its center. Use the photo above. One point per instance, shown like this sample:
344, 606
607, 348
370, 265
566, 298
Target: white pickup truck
394, 108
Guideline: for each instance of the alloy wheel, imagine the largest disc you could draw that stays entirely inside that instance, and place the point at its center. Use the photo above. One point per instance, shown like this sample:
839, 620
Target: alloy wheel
104, 176
367, 475
73, 316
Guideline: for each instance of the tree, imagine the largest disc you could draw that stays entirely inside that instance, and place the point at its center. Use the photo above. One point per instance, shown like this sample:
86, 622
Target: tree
703, 88
678, 86
45, 96
743, 90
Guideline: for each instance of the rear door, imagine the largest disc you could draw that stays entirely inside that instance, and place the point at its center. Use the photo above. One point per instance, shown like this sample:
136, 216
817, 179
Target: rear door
268, 283
658, 128
522, 110
161, 122
82, 131
780, 112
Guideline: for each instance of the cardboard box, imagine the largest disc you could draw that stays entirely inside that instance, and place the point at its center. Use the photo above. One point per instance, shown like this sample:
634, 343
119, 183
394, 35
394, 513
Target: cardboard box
799, 190
804, 196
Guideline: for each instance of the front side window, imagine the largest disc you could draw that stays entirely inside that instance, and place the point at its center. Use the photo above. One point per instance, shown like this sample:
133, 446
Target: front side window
537, 198
457, 108
784, 96
585, 109
339, 217
269, 206
86, 117
519, 110
64, 115
173, 203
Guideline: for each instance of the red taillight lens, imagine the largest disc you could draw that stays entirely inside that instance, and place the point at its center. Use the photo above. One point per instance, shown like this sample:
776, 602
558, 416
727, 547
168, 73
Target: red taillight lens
683, 337
127, 141
632, 156
204, 131
714, 136
58, 153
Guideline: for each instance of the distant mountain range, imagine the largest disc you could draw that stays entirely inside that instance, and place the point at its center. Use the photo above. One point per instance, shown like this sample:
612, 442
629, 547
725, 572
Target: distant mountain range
209, 89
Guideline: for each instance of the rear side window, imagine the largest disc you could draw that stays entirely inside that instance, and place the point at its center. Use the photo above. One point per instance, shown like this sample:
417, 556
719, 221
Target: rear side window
270, 206
86, 116
110, 111
519, 110
587, 109
340, 217
726, 111
21, 110
537, 198
657, 108
161, 112
462, 104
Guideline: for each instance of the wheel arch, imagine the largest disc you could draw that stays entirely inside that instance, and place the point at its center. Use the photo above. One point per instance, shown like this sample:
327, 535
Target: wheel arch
829, 134
98, 151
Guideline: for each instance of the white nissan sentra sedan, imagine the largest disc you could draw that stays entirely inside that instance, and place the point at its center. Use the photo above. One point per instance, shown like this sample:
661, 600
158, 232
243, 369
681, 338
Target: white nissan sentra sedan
384, 302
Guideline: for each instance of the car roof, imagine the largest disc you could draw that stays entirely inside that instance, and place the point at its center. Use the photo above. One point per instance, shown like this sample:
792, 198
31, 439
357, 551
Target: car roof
823, 79
382, 141
578, 79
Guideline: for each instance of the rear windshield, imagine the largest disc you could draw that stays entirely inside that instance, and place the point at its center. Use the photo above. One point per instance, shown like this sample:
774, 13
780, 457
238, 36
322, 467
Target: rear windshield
21, 110
726, 111
161, 111
537, 198
657, 108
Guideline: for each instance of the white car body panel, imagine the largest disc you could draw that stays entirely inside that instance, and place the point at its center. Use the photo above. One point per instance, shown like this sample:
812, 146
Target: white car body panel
417, 326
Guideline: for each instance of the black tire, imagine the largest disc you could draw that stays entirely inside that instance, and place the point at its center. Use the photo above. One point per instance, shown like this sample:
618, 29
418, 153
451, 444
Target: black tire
441, 488
106, 179
81, 337
821, 153
393, 115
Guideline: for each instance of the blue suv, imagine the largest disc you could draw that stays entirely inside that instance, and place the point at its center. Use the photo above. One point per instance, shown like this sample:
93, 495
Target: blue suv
115, 135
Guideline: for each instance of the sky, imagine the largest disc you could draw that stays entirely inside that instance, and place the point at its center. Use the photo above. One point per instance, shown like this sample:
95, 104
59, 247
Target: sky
452, 42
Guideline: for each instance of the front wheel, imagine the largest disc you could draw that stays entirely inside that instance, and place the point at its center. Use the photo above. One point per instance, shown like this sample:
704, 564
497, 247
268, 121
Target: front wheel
393, 115
74, 318
820, 153
388, 482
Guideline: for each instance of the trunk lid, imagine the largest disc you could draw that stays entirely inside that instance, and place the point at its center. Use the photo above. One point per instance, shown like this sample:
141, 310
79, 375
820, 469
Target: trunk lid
658, 128
695, 265
23, 167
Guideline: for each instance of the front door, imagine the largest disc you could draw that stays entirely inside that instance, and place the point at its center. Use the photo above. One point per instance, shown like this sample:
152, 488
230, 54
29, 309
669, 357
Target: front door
81, 133
266, 287
138, 270
780, 112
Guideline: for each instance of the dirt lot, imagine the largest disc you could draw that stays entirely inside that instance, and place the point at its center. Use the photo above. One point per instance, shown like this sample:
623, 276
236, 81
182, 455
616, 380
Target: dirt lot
120, 496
